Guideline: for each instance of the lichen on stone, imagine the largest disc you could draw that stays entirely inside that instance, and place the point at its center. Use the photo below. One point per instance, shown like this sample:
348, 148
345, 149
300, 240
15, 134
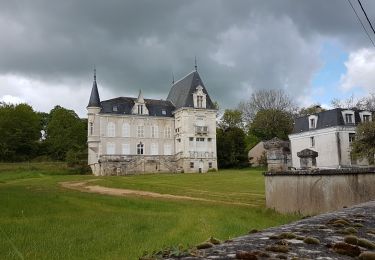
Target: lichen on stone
311, 240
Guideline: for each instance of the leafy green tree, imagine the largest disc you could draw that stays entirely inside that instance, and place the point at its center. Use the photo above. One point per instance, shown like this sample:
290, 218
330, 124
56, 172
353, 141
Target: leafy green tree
65, 131
231, 118
19, 132
231, 150
363, 146
270, 123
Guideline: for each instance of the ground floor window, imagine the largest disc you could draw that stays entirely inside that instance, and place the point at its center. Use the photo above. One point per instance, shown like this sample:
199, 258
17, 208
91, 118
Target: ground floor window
210, 165
192, 165
140, 148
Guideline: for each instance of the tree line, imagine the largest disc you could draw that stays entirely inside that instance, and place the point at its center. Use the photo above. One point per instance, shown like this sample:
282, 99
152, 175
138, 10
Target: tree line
30, 135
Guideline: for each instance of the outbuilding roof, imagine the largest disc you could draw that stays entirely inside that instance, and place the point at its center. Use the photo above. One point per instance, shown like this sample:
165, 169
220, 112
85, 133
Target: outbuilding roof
326, 119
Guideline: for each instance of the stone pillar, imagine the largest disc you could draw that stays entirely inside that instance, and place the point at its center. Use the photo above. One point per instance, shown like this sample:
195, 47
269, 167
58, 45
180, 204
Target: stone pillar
307, 158
277, 154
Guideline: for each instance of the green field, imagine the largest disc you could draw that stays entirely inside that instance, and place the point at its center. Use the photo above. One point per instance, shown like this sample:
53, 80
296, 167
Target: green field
41, 220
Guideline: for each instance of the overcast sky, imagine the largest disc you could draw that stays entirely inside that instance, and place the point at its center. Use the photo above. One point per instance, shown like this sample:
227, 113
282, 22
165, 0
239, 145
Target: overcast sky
314, 50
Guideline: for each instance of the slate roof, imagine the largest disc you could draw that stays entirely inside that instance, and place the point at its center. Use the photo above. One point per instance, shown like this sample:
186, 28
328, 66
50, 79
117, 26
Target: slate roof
181, 93
124, 105
326, 119
94, 97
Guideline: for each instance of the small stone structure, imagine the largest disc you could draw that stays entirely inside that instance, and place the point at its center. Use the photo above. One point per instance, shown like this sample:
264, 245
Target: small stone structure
307, 158
278, 154
320, 237
318, 190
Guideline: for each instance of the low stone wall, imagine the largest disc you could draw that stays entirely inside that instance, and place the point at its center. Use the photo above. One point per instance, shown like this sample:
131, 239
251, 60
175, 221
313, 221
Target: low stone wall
320, 190
345, 234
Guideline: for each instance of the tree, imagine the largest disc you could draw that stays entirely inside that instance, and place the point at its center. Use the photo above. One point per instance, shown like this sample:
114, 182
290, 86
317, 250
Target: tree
19, 132
313, 109
363, 146
365, 103
275, 99
270, 123
65, 132
231, 148
231, 118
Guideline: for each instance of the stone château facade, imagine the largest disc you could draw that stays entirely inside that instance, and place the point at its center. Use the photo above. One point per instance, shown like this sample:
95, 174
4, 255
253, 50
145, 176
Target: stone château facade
136, 135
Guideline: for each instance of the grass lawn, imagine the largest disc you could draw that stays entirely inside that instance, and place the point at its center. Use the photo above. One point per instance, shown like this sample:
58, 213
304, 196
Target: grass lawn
41, 220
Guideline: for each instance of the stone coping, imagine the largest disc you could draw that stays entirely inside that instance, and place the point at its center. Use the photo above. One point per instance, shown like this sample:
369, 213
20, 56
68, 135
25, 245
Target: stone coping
319, 237
317, 171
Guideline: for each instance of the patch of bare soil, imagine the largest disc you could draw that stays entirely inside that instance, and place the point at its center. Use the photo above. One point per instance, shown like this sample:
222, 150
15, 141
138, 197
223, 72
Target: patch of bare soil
85, 187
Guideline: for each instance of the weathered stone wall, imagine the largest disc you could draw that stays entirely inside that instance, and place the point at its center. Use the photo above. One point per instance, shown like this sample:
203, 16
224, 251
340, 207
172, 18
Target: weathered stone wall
345, 234
318, 191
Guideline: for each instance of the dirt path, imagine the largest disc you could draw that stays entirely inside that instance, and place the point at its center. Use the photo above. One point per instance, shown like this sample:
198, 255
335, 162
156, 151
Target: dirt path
84, 187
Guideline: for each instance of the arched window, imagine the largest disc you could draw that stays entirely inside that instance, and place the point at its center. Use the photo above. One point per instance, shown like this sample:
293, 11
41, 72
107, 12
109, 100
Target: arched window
140, 148
111, 131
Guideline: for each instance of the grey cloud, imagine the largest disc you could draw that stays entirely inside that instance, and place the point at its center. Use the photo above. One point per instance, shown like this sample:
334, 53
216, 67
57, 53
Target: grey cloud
240, 45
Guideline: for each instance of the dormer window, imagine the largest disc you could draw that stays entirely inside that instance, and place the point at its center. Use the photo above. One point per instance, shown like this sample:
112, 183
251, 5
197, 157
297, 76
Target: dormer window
199, 98
140, 109
163, 112
114, 108
365, 116
348, 116
312, 123
313, 119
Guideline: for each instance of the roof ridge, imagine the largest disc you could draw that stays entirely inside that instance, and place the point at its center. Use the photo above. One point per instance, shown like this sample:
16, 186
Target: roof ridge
184, 77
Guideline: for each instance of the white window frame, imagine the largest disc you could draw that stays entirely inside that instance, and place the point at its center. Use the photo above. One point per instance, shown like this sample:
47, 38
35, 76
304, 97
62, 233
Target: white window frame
111, 148
140, 131
167, 132
315, 121
125, 129
140, 149
111, 129
167, 149
126, 149
348, 112
154, 149
154, 131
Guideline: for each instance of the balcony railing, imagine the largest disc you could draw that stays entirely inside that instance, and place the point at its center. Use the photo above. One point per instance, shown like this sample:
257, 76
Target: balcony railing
201, 130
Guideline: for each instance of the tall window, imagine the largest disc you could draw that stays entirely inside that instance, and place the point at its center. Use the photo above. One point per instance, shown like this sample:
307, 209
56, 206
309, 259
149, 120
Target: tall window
154, 149
200, 101
125, 149
154, 131
125, 130
140, 131
140, 109
91, 128
351, 138
111, 129
312, 123
167, 149
349, 118
140, 148
312, 141
111, 148
167, 132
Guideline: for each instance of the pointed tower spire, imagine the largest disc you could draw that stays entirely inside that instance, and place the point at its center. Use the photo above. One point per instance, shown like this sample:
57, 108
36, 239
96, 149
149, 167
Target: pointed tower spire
94, 97
140, 97
195, 62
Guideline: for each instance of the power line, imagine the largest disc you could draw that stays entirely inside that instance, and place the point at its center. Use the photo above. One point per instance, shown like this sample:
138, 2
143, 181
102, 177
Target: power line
359, 19
368, 20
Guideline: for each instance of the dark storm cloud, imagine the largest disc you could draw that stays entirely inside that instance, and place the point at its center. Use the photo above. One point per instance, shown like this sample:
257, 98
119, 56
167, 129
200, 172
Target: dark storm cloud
240, 45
